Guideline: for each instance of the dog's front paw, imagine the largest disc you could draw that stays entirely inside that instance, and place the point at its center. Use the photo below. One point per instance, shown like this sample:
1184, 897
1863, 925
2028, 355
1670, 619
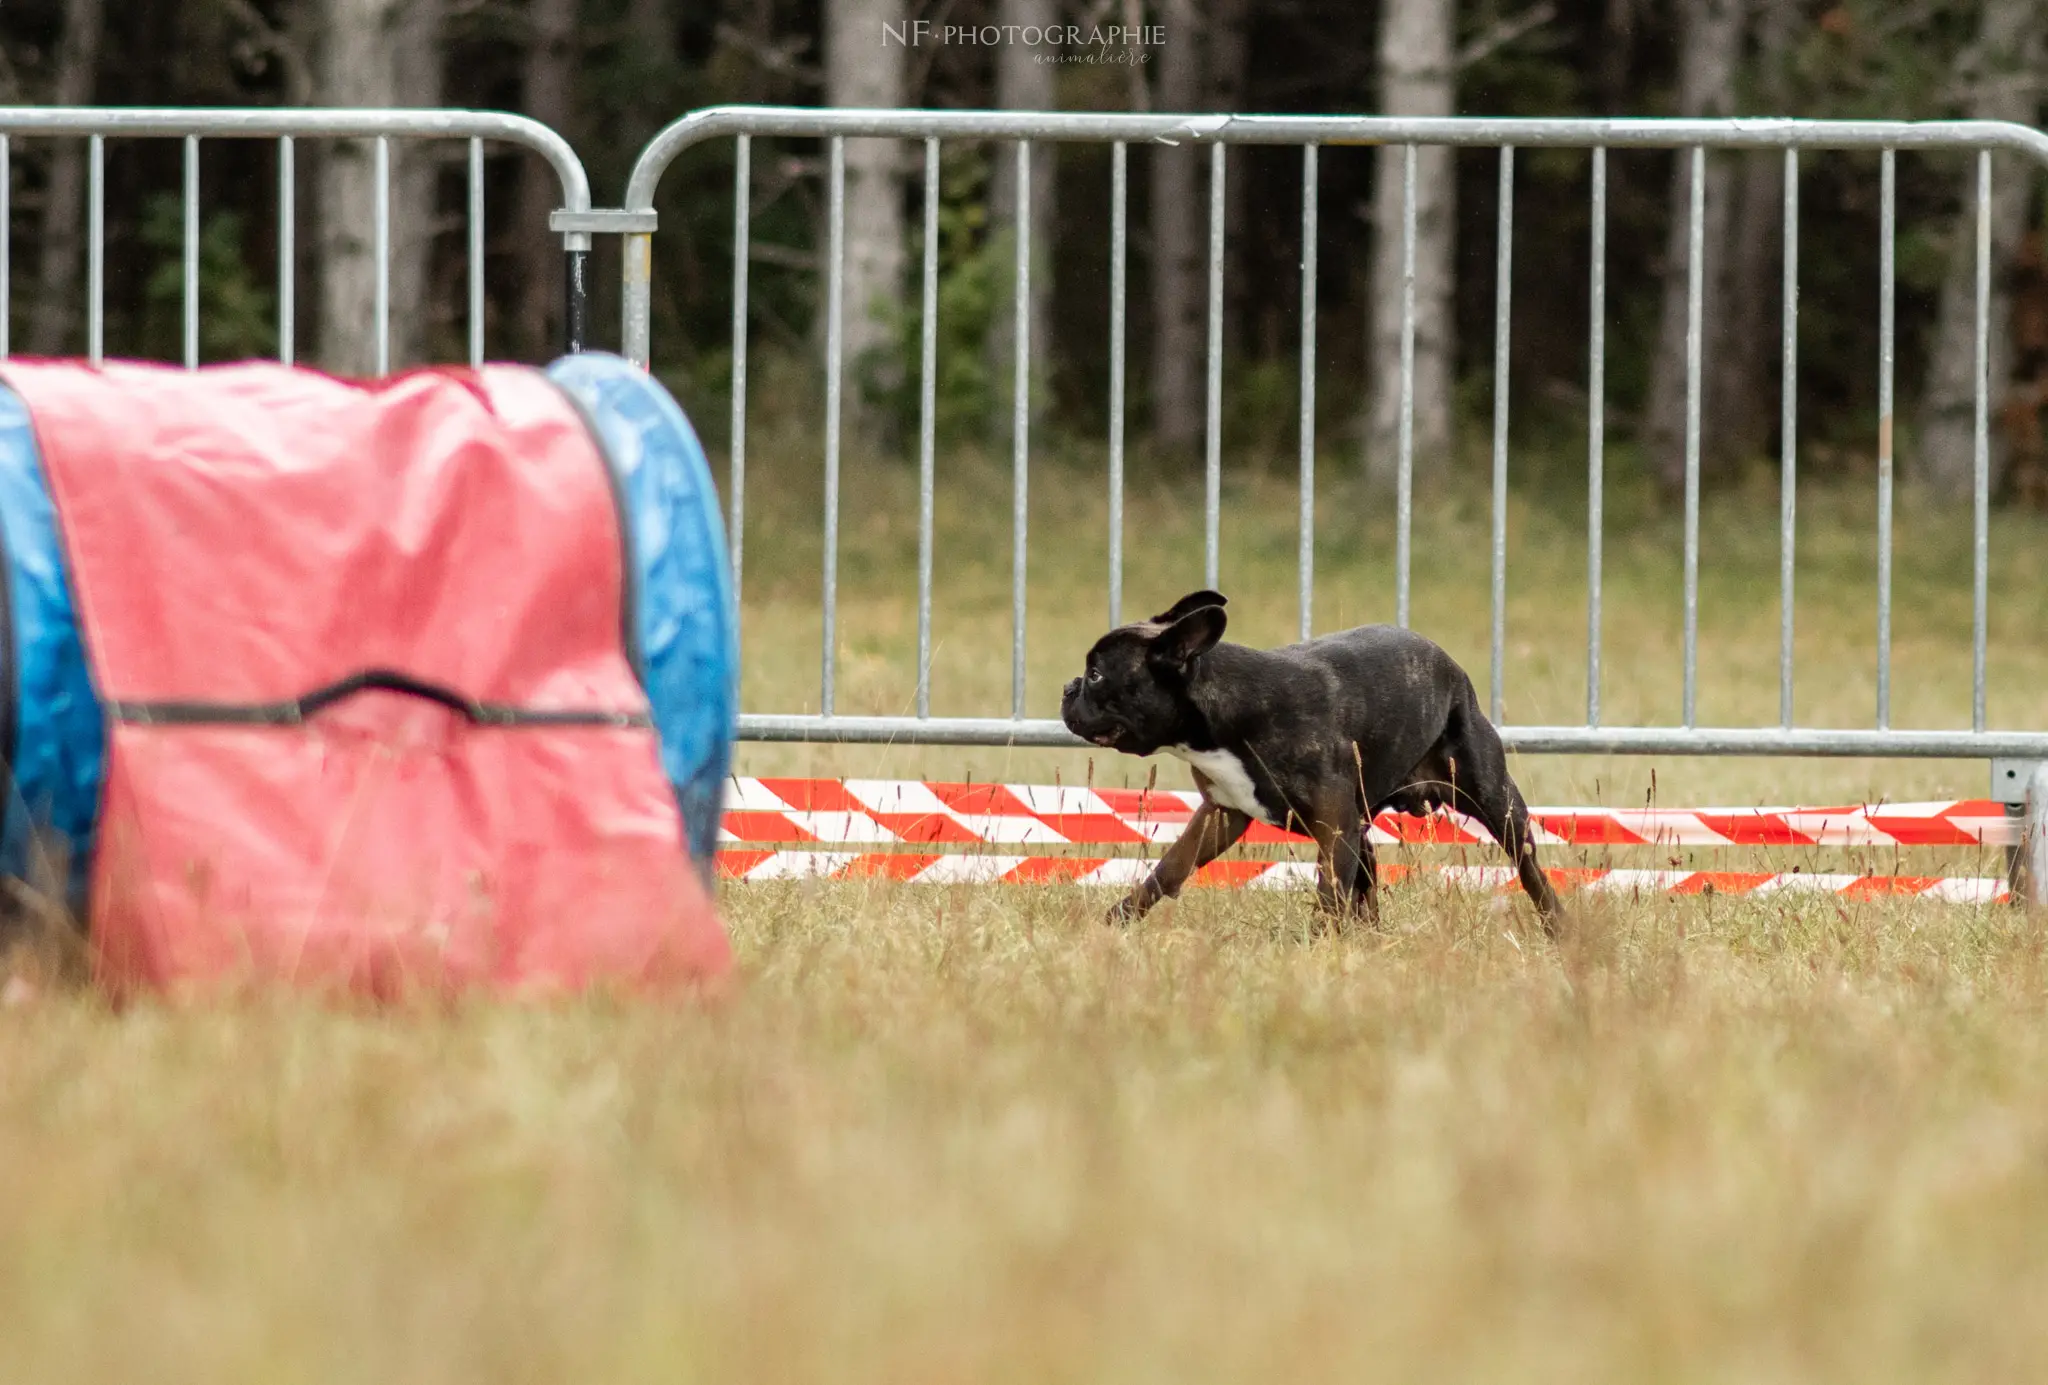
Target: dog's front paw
1124, 913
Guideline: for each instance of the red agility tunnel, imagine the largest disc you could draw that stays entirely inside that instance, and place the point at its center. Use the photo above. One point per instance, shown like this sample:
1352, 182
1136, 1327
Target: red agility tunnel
365, 661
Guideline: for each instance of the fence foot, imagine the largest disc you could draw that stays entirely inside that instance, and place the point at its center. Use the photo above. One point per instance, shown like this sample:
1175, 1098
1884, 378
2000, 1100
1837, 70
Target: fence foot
2010, 782
2030, 866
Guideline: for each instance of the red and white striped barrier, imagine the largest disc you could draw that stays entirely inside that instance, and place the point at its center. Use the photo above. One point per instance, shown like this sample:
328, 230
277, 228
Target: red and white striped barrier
963, 869
858, 812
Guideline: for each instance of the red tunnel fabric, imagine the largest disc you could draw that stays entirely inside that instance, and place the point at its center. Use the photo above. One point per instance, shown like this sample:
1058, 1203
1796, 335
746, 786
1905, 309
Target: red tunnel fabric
245, 535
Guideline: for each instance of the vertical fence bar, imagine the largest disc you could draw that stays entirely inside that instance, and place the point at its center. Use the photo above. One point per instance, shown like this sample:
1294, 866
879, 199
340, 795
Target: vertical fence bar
382, 238
1020, 431
1404, 483
1980, 465
1887, 227
1308, 386
742, 238
835, 272
1212, 476
636, 297
1119, 243
1596, 433
1503, 288
191, 252
476, 252
575, 297
1788, 433
287, 253
927, 424
1695, 235
6, 245
96, 250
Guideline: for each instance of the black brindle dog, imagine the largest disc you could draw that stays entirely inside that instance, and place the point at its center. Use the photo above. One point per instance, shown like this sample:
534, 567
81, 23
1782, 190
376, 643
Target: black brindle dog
1315, 737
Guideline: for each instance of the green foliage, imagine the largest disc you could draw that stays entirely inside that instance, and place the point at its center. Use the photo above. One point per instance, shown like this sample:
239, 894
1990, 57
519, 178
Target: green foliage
1262, 409
973, 295
1533, 76
237, 313
1876, 60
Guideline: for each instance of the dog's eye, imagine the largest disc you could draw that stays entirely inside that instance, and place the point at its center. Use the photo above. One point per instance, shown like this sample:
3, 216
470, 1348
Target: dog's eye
1094, 675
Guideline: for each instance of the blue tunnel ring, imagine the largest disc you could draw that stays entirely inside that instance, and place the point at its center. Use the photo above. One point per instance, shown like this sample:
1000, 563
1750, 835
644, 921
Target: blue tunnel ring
682, 625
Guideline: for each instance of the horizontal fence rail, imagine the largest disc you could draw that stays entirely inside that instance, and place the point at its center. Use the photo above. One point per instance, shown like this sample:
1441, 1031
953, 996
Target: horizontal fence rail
99, 124
1694, 138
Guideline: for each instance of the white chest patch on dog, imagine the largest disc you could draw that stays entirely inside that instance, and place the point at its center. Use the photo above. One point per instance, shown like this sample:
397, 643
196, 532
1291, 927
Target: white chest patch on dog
1228, 782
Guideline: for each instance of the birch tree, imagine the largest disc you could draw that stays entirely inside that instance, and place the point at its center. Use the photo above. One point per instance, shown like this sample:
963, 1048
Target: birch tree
864, 67
1710, 56
1226, 56
548, 76
2002, 76
376, 53
1742, 389
1177, 224
1417, 78
58, 299
1025, 83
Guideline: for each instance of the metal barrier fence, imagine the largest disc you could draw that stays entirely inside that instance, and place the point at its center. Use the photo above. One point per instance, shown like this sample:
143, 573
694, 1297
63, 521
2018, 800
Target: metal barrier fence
2019, 757
637, 220
576, 221
98, 124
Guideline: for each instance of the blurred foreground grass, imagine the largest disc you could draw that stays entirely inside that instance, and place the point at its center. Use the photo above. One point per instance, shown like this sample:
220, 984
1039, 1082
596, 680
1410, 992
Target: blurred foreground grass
969, 1134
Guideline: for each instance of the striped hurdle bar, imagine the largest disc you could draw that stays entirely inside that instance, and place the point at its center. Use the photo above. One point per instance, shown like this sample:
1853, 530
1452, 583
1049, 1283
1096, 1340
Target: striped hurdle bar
922, 813
795, 818
930, 869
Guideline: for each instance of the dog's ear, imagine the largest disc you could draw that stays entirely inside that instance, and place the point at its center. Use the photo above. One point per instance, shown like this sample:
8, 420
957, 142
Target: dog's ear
1188, 638
1188, 605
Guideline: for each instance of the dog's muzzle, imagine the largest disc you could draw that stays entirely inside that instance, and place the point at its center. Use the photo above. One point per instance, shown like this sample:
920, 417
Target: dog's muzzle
1071, 715
1070, 695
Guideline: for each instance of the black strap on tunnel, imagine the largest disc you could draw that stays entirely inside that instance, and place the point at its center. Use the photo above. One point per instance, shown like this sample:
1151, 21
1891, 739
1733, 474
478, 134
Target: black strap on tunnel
301, 709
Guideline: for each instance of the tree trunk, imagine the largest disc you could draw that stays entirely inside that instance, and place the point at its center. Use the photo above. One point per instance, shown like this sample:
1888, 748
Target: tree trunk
1178, 234
57, 304
2012, 45
1416, 79
376, 53
1742, 388
1709, 63
1134, 74
415, 168
864, 68
1225, 54
1025, 84
550, 71
1617, 53
651, 25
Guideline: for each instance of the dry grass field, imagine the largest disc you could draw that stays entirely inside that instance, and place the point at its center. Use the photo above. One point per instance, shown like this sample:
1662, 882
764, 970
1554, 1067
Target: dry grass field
1545, 675
971, 1135
949, 1134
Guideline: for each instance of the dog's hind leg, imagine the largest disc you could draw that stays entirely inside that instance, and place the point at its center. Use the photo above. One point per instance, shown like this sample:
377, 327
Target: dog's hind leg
1345, 875
1508, 820
1477, 768
1365, 880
